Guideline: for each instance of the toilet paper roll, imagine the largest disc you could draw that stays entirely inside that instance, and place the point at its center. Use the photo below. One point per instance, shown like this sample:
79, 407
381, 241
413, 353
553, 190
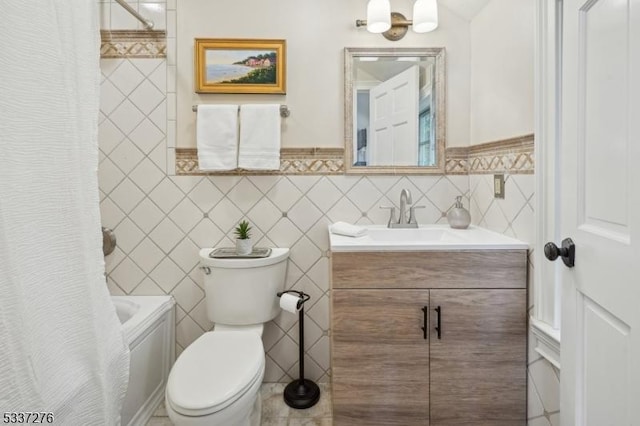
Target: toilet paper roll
290, 303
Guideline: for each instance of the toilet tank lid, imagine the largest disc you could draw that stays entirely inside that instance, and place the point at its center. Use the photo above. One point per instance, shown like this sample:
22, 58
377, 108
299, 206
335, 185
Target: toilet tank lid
277, 255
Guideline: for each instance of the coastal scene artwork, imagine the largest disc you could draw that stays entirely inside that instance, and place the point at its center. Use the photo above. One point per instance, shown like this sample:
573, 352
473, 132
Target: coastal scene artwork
240, 66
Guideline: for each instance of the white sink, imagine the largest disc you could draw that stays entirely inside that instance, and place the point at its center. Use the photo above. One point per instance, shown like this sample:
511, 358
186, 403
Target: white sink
424, 238
413, 235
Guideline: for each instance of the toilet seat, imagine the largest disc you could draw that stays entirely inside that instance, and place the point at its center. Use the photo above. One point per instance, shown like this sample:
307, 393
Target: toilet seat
215, 371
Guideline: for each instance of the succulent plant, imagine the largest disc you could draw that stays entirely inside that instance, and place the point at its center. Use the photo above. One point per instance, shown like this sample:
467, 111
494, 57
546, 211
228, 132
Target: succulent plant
243, 230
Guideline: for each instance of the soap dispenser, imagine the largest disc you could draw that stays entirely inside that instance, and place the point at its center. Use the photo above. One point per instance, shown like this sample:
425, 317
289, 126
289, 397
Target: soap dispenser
458, 216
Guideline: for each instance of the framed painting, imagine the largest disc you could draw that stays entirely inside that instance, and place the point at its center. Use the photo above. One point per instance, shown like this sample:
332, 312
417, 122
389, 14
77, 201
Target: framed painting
240, 66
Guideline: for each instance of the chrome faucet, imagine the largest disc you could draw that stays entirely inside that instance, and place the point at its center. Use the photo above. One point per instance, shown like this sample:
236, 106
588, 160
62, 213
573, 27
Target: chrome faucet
402, 221
405, 198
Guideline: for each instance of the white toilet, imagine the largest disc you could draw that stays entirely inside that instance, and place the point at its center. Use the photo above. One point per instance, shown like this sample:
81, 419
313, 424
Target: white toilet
216, 380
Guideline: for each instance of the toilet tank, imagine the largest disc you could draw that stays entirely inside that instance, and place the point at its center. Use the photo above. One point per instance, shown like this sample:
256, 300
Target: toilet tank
244, 291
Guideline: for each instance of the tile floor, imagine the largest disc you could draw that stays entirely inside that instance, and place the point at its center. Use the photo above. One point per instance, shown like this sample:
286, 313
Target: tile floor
274, 411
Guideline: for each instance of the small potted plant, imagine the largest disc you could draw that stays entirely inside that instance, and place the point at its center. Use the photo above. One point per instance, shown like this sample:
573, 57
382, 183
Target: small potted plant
244, 244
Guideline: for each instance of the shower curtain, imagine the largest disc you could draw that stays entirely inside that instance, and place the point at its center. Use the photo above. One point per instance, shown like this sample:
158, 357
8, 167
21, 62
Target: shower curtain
61, 345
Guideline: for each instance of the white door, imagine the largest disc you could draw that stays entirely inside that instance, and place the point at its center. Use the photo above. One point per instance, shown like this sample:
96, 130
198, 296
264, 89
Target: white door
393, 105
600, 210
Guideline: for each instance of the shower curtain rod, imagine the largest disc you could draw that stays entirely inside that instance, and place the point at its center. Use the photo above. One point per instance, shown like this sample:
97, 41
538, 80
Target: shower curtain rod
148, 24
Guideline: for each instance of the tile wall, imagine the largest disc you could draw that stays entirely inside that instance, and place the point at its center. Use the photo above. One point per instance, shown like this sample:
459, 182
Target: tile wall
514, 216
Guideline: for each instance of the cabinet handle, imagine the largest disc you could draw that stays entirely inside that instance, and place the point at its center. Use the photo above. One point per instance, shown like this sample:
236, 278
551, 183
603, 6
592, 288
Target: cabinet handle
425, 327
439, 324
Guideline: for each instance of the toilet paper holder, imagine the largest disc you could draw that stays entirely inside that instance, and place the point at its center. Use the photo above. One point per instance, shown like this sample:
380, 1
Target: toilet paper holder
301, 393
303, 296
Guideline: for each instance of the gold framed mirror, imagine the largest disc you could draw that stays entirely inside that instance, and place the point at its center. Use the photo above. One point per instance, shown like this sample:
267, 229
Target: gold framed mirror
395, 110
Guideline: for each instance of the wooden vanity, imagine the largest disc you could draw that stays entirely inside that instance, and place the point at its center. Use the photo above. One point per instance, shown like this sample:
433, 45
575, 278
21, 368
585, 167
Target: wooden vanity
434, 337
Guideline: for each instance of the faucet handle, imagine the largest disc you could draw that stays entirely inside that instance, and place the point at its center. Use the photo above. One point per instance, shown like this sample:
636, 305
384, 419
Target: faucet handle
412, 213
392, 215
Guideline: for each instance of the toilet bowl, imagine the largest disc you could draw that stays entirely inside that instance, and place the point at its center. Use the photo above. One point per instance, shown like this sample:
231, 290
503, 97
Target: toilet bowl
216, 380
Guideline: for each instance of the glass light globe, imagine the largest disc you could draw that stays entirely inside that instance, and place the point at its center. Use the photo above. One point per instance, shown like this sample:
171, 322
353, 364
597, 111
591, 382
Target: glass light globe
425, 16
378, 16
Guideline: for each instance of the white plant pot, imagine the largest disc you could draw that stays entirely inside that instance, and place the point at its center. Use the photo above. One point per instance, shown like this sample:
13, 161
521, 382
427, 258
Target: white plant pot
244, 247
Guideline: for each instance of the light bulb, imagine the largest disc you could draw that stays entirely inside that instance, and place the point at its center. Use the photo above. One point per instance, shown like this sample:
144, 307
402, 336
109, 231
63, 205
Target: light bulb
378, 16
425, 16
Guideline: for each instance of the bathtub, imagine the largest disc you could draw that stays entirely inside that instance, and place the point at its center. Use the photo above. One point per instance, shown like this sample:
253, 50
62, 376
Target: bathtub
148, 323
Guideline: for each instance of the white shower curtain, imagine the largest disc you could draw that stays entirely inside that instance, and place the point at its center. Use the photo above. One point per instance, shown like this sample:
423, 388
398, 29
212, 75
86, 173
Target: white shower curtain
61, 346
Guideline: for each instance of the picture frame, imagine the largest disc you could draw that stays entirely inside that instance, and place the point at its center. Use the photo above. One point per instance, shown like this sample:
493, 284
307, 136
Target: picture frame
240, 66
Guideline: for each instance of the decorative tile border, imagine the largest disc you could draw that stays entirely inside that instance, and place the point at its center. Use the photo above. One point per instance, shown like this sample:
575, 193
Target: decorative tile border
457, 161
515, 156
133, 44
293, 161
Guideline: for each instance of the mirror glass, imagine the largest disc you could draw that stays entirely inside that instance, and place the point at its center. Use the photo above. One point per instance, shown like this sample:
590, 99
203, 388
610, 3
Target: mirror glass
394, 110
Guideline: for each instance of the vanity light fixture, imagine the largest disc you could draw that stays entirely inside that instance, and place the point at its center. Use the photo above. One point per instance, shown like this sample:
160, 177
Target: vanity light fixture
394, 25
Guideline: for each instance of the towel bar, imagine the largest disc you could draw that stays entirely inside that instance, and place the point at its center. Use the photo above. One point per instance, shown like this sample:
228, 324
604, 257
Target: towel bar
284, 110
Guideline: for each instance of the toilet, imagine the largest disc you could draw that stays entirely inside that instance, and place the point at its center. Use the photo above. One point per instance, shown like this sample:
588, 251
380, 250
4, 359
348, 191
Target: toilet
216, 380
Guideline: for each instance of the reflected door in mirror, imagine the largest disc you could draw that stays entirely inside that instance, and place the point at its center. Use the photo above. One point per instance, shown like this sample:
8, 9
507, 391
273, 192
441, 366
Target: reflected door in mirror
393, 115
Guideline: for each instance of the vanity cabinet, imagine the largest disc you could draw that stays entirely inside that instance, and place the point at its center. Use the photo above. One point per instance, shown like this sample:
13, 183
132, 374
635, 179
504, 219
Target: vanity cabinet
376, 357
429, 338
478, 365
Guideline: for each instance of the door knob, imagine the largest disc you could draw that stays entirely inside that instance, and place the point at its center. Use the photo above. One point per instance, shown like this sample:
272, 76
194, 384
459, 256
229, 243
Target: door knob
567, 252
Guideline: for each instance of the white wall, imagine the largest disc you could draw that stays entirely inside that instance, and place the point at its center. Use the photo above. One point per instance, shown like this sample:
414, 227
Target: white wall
316, 34
502, 48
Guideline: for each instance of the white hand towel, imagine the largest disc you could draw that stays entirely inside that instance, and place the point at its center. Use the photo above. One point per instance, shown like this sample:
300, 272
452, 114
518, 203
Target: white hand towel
259, 137
347, 229
217, 137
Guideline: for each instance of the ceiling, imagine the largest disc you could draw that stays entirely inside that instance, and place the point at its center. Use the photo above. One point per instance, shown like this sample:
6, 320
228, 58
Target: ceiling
383, 70
467, 9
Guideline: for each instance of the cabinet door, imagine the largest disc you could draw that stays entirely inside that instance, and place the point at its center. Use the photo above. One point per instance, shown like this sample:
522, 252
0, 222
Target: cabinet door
380, 358
478, 365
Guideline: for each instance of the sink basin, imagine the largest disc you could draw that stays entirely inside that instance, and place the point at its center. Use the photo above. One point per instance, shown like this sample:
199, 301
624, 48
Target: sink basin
425, 238
413, 235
